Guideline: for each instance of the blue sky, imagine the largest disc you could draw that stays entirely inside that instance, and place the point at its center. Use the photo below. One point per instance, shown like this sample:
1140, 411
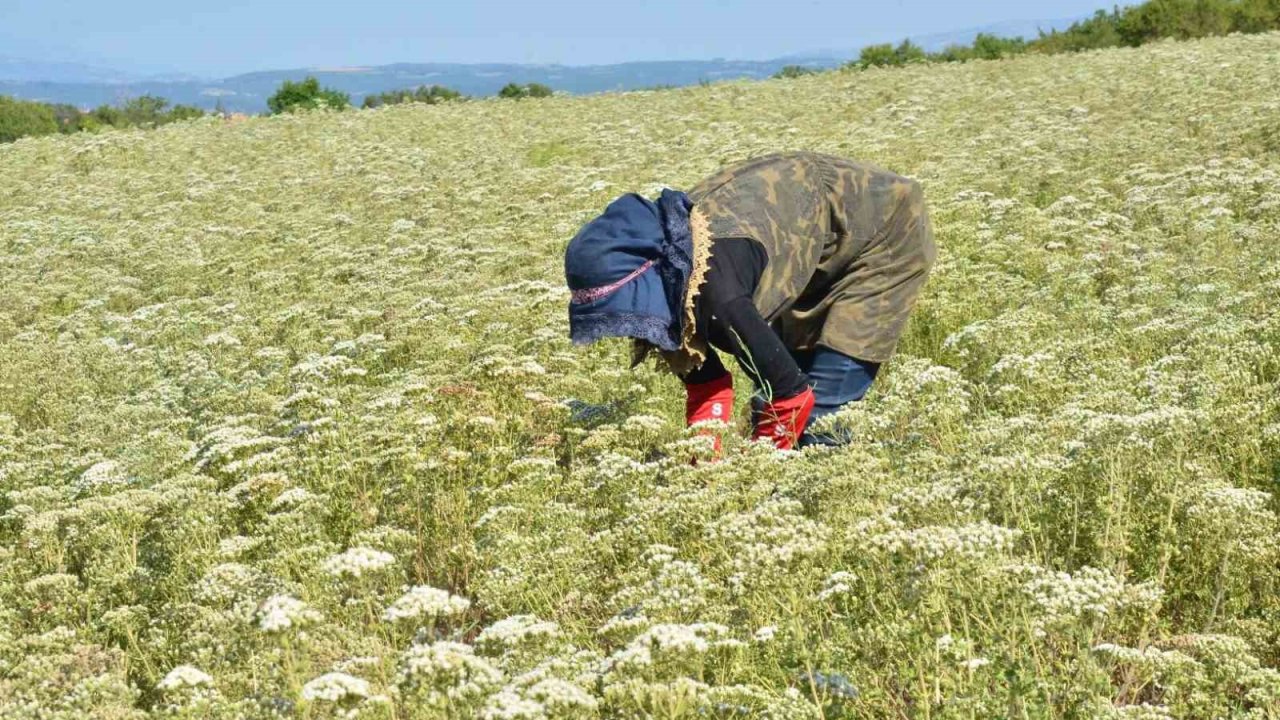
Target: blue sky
216, 38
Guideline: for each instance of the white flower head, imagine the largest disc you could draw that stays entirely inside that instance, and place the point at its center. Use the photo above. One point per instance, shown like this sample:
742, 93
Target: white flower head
426, 603
562, 697
185, 676
291, 498
281, 612
516, 631
336, 687
102, 475
446, 671
357, 561
509, 704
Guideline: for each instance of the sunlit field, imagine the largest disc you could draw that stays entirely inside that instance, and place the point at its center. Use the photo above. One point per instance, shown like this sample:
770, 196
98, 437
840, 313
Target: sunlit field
290, 425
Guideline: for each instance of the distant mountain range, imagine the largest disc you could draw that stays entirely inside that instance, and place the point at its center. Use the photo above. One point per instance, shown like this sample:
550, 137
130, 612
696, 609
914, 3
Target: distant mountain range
86, 85
249, 92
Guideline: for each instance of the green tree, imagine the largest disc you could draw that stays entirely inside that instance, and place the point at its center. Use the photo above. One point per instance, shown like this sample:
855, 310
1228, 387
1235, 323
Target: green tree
908, 52
144, 111
886, 55
1158, 19
436, 94
1181, 19
184, 112
876, 56
1251, 16
513, 91
1093, 33
19, 118
306, 95
107, 115
952, 53
69, 117
991, 47
538, 90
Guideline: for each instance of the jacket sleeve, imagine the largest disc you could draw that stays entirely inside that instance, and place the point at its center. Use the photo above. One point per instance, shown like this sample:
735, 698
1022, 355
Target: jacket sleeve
733, 323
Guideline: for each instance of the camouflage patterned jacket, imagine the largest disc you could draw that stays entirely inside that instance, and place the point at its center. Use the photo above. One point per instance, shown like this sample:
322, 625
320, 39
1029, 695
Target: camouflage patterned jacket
849, 246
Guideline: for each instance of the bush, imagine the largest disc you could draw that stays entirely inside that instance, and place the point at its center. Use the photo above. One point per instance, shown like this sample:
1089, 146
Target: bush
985, 47
1181, 19
184, 112
952, 53
306, 95
1157, 19
422, 94
876, 56
19, 118
794, 71
991, 47
515, 91
144, 111
909, 52
107, 115
1251, 16
886, 55
69, 117
1097, 32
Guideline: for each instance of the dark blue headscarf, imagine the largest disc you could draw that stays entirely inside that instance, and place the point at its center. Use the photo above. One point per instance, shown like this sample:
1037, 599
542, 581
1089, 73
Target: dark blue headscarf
628, 270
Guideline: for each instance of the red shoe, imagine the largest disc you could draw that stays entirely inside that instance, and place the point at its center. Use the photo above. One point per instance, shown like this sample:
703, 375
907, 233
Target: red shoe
782, 421
711, 400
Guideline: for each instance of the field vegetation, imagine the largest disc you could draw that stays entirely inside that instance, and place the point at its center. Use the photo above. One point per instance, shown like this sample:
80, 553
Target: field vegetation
290, 425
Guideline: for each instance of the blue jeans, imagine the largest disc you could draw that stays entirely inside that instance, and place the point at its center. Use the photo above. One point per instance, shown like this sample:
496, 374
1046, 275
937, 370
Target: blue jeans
837, 380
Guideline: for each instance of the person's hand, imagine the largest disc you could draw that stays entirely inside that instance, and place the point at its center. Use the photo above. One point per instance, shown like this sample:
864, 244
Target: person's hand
712, 400
782, 421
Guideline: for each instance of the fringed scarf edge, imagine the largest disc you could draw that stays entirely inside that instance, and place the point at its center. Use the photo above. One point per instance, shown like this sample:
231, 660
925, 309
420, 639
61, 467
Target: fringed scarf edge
693, 347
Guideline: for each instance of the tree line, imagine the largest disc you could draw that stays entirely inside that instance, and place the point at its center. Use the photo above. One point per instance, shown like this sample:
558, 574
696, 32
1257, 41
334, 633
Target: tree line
1120, 27
28, 118
21, 118
309, 95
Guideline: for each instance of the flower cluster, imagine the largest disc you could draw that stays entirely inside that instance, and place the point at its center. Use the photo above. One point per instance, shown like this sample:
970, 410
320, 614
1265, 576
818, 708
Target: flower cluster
446, 672
279, 613
426, 603
357, 561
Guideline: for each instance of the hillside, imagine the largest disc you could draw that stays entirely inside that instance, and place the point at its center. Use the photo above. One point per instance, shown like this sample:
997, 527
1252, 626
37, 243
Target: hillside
284, 426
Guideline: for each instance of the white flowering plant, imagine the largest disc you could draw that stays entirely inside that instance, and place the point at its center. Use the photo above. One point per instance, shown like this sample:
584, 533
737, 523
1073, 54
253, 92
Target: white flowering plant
290, 424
